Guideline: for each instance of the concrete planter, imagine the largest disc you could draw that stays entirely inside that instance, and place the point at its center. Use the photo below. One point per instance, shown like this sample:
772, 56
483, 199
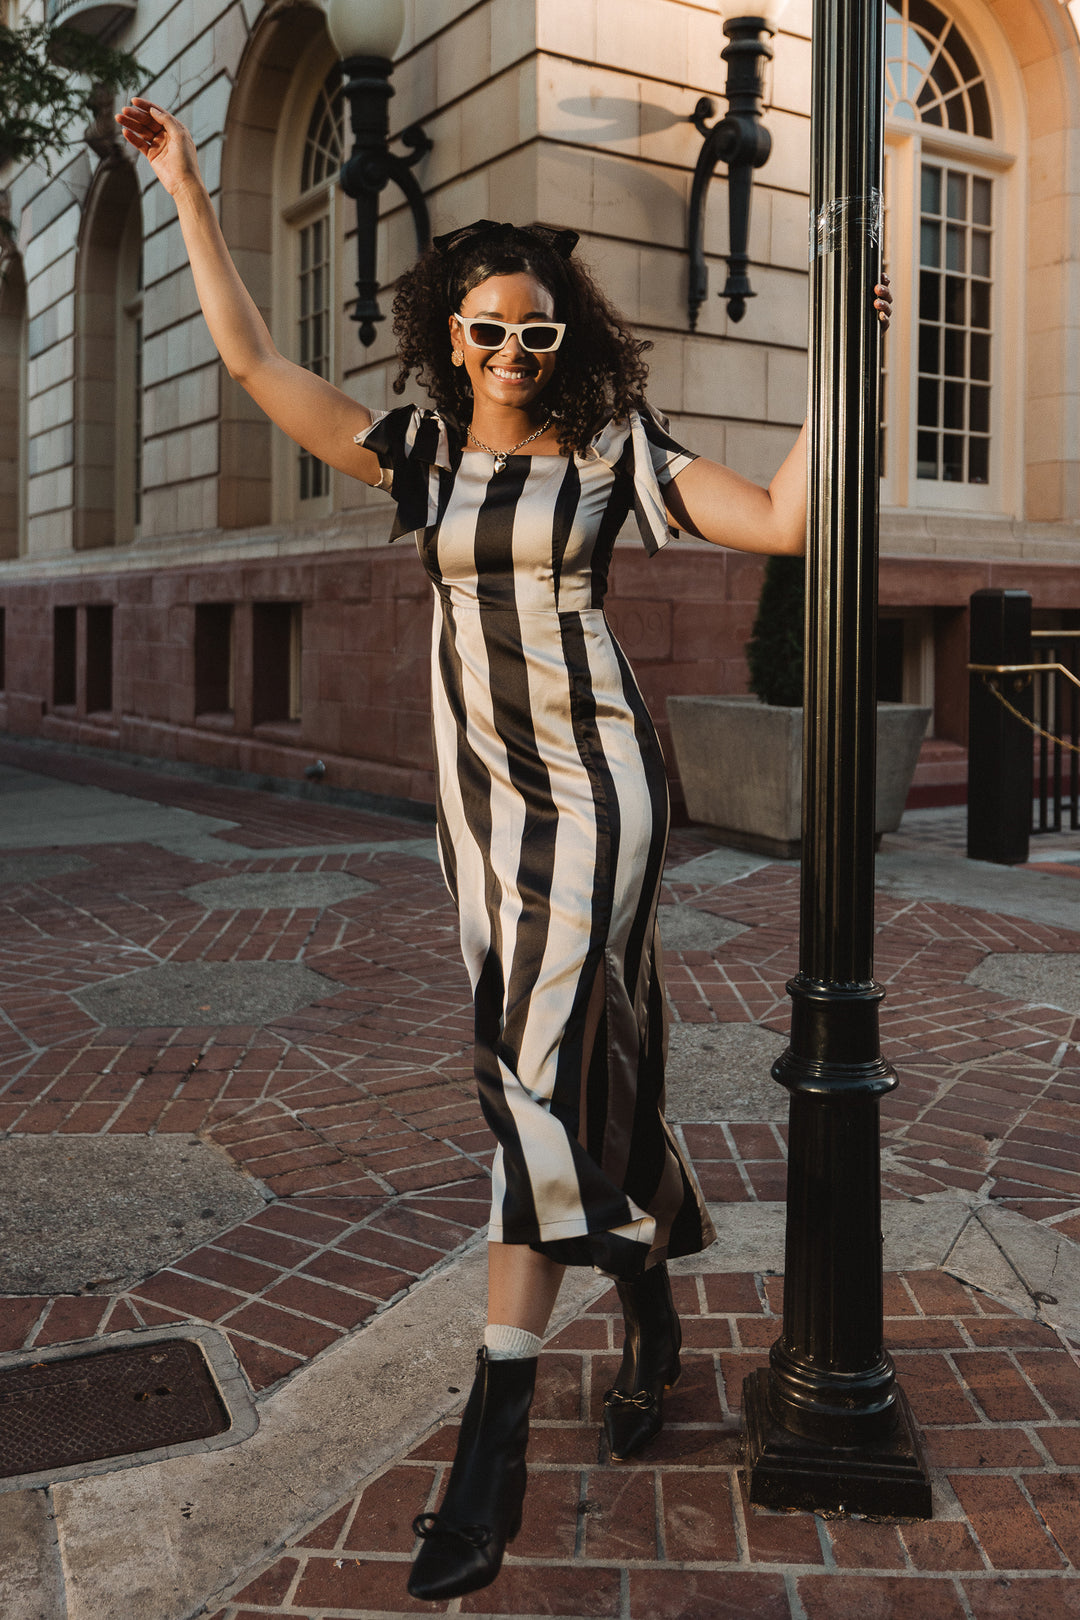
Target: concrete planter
740, 761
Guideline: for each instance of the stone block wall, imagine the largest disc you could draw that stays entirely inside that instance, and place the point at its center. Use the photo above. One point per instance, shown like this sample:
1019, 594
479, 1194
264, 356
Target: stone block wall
573, 112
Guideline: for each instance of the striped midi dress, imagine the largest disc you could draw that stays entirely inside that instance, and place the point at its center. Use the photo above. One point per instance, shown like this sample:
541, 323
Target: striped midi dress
552, 826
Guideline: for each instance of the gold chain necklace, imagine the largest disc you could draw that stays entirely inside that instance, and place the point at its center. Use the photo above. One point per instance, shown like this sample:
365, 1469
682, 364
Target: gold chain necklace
500, 456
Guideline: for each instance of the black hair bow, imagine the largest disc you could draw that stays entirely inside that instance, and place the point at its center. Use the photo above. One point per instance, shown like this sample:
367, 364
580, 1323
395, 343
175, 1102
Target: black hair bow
560, 242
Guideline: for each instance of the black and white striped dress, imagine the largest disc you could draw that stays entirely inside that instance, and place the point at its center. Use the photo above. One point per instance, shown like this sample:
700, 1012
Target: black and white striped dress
552, 825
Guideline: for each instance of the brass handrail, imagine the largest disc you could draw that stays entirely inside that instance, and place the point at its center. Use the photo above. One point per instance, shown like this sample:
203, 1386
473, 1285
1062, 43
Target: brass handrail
1023, 669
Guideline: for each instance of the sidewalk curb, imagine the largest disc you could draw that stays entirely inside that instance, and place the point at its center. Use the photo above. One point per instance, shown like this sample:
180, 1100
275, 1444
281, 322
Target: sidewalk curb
1030, 1267
31, 1579
157, 1542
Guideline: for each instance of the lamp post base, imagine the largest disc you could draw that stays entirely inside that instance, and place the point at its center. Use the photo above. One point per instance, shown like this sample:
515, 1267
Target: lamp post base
887, 1479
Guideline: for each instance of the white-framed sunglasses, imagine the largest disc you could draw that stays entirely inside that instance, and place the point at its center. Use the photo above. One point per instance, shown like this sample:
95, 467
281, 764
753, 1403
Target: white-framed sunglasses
537, 337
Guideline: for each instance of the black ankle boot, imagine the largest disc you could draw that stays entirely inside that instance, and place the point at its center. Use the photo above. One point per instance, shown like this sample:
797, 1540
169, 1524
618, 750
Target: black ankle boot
481, 1510
634, 1408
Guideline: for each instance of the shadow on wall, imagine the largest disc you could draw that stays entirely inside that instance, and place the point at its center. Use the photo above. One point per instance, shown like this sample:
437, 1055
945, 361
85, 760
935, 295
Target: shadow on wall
624, 117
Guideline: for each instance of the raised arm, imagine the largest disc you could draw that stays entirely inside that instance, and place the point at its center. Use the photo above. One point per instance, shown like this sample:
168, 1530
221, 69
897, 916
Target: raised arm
308, 408
717, 504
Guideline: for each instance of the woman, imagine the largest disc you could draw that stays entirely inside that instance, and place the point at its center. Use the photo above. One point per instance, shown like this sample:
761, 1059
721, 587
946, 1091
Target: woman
552, 812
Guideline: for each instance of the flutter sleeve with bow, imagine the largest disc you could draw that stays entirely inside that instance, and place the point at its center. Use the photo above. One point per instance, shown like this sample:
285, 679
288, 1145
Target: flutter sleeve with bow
640, 448
414, 447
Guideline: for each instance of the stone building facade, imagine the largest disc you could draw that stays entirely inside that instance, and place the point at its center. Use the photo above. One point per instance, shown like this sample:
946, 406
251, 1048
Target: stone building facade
178, 580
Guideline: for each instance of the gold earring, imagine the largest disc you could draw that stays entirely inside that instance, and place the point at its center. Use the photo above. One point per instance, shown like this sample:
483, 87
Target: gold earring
457, 357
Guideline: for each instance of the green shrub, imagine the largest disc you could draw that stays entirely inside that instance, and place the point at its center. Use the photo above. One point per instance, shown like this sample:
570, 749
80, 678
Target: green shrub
775, 649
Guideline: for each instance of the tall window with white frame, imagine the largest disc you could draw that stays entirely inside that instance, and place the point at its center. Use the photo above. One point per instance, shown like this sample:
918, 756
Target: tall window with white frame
129, 364
108, 362
315, 234
953, 415
944, 182
13, 367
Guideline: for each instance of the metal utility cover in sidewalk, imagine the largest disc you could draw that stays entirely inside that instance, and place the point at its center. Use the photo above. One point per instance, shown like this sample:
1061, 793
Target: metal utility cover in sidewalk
111, 1403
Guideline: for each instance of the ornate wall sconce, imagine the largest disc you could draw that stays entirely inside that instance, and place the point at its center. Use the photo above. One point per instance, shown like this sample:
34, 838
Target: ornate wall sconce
740, 140
366, 33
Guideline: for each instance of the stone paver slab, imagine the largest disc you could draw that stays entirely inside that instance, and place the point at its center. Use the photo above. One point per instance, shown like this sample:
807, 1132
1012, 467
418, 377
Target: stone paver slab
1050, 979
721, 1072
277, 891
206, 993
130, 1204
688, 928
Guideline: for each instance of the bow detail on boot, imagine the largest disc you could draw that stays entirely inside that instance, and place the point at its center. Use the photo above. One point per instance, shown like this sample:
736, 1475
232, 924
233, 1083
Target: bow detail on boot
462, 1545
634, 1407
426, 1525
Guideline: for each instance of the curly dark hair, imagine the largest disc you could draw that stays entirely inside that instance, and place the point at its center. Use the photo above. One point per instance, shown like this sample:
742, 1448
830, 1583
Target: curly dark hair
599, 371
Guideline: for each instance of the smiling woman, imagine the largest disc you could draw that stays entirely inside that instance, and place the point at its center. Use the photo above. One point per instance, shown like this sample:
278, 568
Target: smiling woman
552, 822
594, 370
552, 798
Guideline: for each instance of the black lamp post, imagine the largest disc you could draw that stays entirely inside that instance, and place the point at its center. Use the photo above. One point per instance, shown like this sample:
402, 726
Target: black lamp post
366, 33
740, 140
827, 1424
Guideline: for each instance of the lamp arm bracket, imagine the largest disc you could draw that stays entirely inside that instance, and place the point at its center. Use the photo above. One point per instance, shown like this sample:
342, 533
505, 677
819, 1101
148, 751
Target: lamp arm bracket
741, 141
735, 138
370, 166
704, 109
419, 143
399, 170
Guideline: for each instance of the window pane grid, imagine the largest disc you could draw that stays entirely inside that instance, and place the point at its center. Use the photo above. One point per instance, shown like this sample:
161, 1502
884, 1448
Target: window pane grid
324, 143
953, 404
137, 449
137, 490
931, 76
314, 334
322, 157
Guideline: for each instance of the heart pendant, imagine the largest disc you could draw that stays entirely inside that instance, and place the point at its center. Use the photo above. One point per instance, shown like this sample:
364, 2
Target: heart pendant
500, 464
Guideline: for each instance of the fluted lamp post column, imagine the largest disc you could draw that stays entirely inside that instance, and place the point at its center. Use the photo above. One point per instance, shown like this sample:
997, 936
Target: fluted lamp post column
828, 1427
366, 33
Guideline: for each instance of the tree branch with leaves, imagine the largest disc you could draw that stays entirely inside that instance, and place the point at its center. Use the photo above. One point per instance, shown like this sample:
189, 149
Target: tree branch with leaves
51, 78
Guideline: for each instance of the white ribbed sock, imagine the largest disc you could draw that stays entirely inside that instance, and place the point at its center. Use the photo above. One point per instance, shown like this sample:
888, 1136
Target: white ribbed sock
505, 1343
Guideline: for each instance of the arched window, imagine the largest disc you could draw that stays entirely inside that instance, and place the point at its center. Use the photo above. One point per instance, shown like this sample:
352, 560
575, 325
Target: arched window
108, 361
263, 132
324, 144
12, 406
310, 309
945, 181
930, 73
129, 368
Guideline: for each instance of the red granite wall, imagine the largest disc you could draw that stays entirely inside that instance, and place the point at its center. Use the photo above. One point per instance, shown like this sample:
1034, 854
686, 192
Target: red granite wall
683, 618
364, 671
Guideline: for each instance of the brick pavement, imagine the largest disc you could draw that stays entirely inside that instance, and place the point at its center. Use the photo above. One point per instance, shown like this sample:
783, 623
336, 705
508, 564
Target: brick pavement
356, 1113
357, 1116
673, 1534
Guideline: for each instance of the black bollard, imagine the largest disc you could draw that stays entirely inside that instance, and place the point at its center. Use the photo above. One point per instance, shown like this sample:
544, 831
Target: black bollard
827, 1424
1000, 746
